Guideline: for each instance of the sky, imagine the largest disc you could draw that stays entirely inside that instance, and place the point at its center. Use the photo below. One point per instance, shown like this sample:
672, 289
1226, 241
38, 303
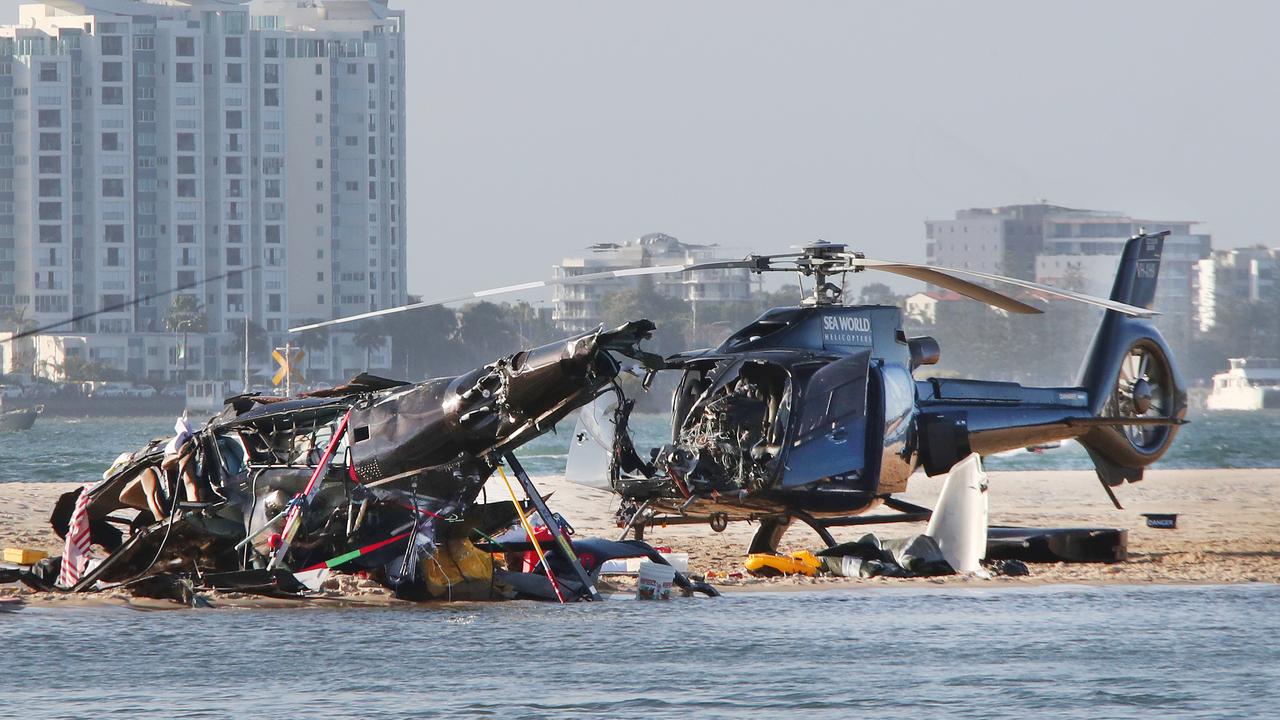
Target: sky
539, 128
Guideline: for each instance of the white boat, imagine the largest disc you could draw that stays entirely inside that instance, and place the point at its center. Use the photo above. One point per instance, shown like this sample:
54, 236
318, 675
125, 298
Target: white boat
1251, 384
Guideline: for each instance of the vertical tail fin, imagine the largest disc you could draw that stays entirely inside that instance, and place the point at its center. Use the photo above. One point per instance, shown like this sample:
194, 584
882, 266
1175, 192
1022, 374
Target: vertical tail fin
1129, 372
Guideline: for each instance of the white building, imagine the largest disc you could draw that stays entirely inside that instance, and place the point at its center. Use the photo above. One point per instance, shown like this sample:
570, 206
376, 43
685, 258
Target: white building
579, 307
1243, 275
149, 145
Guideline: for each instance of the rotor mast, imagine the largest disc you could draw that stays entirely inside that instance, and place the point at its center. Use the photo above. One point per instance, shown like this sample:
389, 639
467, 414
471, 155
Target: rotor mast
823, 260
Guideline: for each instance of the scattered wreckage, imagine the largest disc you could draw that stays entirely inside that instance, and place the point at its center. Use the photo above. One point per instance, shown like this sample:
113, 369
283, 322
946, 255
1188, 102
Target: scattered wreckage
377, 476
810, 412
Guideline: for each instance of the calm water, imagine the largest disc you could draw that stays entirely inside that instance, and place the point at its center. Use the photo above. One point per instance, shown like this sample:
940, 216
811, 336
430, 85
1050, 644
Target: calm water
1075, 652
60, 449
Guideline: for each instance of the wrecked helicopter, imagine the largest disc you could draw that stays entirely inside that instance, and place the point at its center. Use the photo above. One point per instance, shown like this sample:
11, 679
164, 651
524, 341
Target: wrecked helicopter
810, 413
815, 412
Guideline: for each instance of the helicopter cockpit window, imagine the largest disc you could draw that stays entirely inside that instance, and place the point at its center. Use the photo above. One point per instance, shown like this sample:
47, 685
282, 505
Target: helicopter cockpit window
755, 331
835, 391
591, 447
232, 453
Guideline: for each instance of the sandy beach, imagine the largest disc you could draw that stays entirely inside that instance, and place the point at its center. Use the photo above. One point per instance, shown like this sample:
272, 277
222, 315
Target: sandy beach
1228, 523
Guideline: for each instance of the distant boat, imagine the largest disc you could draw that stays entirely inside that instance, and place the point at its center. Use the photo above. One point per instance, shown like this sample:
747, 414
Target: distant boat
1252, 383
18, 418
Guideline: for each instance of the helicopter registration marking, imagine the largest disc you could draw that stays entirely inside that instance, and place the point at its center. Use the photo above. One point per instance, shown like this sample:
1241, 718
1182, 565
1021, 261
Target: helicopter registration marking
846, 330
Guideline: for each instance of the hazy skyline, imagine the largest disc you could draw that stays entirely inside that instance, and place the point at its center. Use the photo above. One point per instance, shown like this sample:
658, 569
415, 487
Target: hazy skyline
536, 129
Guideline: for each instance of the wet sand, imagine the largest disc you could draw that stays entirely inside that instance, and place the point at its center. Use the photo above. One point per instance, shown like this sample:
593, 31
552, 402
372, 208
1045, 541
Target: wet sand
1228, 531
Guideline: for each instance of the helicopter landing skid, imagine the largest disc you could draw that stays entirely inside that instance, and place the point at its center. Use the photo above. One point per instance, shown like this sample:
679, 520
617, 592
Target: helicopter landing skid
774, 526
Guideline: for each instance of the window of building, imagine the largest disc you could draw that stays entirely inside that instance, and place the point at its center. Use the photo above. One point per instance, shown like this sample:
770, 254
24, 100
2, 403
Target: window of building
273, 302
113, 257
112, 72
144, 42
235, 165
187, 142
186, 233
48, 72
113, 233
50, 233
185, 72
319, 118
235, 233
186, 165
319, 299
234, 256
234, 119
50, 164
113, 187
372, 74
234, 72
232, 47
271, 97
186, 188
112, 45
271, 188
185, 46
320, 276
50, 141
271, 73
49, 118
320, 208
271, 48
319, 163
319, 96
319, 69
50, 187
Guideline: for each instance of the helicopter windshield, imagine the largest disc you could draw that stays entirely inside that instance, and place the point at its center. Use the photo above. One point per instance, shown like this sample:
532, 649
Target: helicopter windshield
591, 448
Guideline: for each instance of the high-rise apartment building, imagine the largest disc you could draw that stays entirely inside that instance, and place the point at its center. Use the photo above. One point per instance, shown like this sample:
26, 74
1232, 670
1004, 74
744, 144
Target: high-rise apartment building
150, 145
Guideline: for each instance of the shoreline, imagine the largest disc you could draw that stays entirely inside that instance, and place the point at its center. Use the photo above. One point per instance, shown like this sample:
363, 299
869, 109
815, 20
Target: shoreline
1228, 534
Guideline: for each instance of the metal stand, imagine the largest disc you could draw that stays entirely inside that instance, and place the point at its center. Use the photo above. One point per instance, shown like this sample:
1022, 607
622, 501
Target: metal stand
549, 520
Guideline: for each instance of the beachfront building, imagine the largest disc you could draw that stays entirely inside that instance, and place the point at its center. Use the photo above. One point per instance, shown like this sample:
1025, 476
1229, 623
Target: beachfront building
1230, 277
579, 307
150, 145
1072, 248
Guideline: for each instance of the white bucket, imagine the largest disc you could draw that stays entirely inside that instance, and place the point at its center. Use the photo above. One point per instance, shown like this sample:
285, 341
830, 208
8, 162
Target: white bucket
655, 581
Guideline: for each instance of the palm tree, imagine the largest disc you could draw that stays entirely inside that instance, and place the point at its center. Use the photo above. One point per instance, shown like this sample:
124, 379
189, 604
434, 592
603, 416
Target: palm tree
185, 314
370, 335
18, 321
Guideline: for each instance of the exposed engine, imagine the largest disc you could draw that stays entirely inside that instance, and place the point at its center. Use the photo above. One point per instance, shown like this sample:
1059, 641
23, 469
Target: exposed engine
730, 439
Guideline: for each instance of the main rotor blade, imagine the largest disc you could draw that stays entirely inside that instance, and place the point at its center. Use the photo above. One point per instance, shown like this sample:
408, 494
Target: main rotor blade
128, 304
751, 263
929, 273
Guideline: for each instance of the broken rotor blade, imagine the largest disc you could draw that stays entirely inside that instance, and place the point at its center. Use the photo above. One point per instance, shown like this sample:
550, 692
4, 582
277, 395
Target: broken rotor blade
751, 263
130, 303
943, 277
